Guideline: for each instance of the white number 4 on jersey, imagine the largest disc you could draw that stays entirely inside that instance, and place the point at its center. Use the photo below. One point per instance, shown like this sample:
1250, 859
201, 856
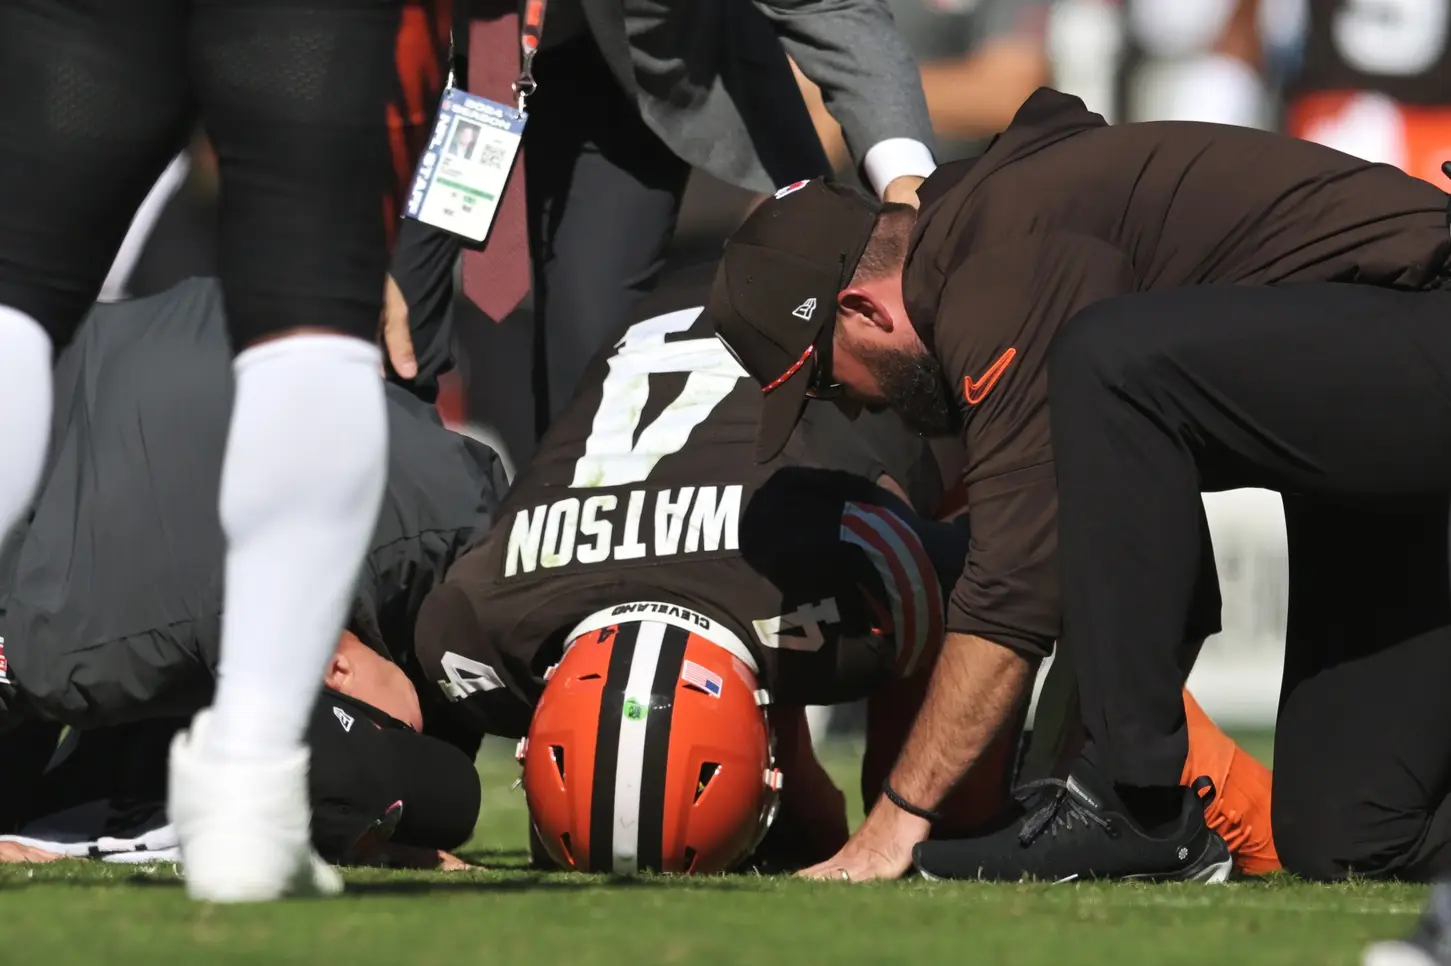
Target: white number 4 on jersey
466, 676
613, 456
799, 630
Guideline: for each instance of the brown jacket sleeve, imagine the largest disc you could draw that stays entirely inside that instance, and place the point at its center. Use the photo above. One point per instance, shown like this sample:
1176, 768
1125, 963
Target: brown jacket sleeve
997, 316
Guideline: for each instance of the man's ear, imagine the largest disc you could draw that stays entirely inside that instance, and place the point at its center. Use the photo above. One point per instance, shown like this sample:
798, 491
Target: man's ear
860, 307
339, 672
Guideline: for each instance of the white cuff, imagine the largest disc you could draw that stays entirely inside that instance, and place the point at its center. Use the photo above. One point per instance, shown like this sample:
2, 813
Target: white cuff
894, 158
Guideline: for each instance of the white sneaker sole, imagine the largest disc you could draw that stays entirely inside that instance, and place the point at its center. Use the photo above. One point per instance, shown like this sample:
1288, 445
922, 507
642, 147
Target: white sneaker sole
243, 826
1216, 873
318, 880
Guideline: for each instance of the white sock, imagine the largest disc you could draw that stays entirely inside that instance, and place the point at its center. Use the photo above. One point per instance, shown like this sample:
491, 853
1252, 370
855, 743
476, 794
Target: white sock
302, 483
25, 405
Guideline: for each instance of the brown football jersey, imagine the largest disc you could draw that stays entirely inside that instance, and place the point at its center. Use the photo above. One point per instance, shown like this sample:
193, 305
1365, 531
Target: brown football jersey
645, 498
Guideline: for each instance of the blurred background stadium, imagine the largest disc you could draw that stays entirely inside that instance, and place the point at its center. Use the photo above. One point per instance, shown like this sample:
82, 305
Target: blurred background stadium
1235, 61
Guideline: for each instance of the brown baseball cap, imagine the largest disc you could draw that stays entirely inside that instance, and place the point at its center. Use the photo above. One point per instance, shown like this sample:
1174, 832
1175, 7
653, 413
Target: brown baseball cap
774, 295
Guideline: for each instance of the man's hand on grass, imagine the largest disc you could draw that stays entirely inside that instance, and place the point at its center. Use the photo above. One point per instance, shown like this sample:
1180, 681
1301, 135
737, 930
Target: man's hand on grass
14, 853
880, 849
393, 855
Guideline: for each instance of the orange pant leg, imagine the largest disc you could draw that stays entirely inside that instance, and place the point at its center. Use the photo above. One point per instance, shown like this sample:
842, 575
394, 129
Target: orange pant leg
1241, 808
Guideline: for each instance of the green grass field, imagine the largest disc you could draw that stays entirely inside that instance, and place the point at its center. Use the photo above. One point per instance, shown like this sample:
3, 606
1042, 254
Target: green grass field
93, 914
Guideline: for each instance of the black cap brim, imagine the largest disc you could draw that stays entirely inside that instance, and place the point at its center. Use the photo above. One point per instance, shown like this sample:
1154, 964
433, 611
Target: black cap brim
781, 410
359, 770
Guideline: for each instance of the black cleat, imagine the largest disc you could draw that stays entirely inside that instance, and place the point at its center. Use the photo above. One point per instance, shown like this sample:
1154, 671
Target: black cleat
1069, 833
1428, 945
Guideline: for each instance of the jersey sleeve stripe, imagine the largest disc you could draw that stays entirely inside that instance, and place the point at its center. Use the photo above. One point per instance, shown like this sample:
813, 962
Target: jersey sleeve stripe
934, 617
865, 526
856, 530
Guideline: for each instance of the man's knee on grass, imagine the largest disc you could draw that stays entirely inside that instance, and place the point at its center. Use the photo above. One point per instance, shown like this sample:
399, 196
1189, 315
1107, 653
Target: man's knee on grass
1329, 839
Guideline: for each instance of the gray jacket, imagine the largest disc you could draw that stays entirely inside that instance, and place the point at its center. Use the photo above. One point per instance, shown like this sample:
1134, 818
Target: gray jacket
111, 592
712, 79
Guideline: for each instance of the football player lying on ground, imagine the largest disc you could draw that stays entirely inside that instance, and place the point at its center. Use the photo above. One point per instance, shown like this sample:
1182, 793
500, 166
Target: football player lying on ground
111, 604
111, 593
130, 633
696, 601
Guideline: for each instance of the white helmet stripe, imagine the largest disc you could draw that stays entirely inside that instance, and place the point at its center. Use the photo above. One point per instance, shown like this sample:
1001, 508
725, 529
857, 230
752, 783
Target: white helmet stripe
630, 764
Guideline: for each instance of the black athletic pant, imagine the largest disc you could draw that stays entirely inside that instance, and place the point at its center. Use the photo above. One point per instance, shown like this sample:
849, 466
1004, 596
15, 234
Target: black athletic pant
604, 192
98, 95
1363, 741
1338, 396
604, 195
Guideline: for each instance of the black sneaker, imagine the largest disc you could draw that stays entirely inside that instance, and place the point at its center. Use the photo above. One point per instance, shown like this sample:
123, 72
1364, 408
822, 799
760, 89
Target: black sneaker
1428, 945
1068, 833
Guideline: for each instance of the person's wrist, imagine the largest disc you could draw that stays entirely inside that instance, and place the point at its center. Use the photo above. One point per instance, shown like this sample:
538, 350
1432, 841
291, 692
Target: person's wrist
906, 806
903, 190
886, 819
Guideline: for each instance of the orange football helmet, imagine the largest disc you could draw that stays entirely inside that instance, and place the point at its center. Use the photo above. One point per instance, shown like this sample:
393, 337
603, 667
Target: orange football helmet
650, 749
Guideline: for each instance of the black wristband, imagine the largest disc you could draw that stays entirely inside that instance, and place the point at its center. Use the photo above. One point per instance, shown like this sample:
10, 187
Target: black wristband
905, 805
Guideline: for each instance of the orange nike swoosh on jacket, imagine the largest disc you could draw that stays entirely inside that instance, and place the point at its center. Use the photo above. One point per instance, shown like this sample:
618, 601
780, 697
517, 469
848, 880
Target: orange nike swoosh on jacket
975, 390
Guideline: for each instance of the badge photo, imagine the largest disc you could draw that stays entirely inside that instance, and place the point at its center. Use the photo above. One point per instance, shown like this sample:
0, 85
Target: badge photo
462, 174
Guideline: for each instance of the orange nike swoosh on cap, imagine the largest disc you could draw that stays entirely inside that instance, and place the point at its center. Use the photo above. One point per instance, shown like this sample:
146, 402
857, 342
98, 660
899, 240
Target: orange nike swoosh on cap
976, 390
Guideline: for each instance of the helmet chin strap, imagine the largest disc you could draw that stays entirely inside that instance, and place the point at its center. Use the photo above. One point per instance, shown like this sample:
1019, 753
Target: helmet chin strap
773, 778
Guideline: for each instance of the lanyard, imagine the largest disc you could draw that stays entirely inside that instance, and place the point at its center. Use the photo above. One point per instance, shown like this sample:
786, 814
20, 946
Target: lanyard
531, 28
